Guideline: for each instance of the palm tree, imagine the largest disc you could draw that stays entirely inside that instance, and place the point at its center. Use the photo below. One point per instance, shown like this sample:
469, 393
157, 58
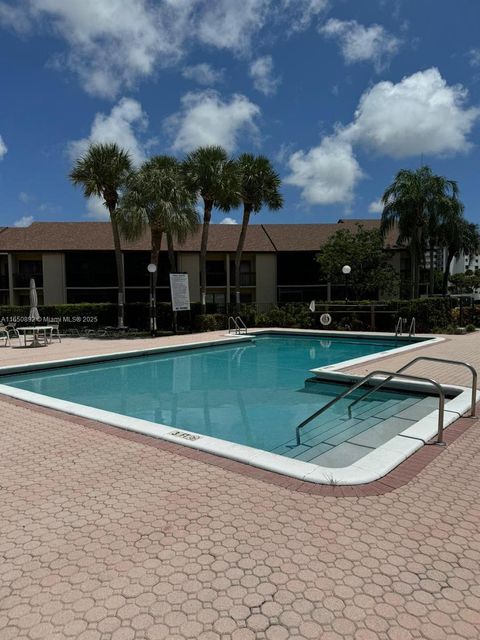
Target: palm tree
458, 236
259, 187
172, 261
214, 177
416, 202
103, 171
444, 201
157, 197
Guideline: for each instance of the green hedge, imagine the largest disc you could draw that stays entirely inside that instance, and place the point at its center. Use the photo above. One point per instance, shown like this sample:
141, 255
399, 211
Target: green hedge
429, 313
92, 315
290, 315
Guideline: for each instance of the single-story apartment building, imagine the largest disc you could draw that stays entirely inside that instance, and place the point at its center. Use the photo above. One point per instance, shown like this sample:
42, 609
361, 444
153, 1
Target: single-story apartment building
74, 262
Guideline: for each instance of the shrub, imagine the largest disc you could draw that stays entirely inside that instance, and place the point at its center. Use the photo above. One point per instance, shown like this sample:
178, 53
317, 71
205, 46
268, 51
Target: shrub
428, 312
470, 328
288, 316
209, 322
350, 323
451, 329
90, 315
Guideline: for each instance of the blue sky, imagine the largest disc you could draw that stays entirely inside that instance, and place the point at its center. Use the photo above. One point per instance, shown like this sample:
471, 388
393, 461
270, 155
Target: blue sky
340, 94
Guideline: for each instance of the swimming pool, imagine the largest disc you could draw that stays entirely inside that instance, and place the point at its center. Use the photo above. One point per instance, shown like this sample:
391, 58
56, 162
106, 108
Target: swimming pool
251, 392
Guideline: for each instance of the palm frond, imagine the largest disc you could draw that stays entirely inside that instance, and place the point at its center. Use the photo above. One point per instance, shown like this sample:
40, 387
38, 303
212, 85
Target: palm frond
259, 183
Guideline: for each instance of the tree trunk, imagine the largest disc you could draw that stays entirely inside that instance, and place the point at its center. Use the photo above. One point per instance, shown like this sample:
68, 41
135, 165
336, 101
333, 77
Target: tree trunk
171, 253
432, 269
446, 273
247, 210
416, 256
155, 252
120, 268
156, 233
207, 216
413, 269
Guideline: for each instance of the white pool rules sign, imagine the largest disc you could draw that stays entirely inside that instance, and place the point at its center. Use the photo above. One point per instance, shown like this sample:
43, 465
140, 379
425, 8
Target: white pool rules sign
180, 291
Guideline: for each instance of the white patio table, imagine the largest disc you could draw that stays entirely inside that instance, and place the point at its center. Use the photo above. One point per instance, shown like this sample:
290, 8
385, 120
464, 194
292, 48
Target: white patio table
36, 333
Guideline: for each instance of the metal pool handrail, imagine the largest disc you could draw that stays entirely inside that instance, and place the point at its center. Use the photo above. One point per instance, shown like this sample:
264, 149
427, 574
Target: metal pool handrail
399, 327
238, 325
411, 331
390, 375
236, 328
241, 324
429, 359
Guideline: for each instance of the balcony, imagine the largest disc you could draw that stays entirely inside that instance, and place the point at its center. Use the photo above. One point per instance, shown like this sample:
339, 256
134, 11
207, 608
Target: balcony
22, 280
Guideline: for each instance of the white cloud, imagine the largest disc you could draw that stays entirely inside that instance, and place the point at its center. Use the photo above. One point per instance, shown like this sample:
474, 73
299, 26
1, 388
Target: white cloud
205, 119
96, 210
376, 206
14, 17
228, 220
3, 148
300, 13
25, 198
24, 221
474, 57
362, 44
203, 73
327, 174
419, 114
261, 71
112, 44
230, 24
122, 125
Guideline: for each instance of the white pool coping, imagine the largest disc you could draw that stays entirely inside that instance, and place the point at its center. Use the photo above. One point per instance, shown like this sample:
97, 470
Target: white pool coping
372, 466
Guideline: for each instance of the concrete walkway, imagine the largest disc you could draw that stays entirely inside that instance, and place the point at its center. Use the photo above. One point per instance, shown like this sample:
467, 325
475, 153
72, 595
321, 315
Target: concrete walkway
102, 538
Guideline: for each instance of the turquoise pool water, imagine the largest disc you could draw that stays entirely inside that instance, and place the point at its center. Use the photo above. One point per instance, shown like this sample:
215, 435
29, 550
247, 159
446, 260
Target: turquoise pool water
252, 393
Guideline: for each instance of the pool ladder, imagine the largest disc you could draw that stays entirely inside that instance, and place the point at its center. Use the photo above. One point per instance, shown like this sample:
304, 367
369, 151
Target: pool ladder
236, 325
401, 322
390, 375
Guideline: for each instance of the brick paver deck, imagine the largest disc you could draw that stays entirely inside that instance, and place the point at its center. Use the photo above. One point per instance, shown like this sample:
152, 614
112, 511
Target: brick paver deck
104, 538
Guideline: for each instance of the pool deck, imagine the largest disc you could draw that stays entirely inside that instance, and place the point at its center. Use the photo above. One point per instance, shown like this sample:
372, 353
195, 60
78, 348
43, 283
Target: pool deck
110, 538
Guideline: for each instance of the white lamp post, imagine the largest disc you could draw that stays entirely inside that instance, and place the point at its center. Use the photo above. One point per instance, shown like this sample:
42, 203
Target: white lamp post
346, 270
152, 268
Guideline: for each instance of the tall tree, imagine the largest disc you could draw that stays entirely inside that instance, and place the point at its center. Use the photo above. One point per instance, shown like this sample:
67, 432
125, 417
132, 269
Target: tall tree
415, 202
465, 283
214, 177
157, 197
259, 187
458, 236
363, 250
172, 261
444, 200
103, 171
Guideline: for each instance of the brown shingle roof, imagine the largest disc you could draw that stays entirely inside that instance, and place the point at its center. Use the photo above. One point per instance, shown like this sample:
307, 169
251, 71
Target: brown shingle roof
97, 236
310, 237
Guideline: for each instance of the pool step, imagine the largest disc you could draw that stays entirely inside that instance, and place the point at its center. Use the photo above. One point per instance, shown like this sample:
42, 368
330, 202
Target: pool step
339, 440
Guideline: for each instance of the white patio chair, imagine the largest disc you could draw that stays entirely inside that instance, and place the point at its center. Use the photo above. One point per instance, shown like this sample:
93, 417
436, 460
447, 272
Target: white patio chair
54, 332
12, 332
4, 335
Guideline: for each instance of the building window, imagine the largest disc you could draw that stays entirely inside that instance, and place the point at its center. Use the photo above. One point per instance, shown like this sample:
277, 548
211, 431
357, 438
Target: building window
215, 302
216, 274
28, 269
